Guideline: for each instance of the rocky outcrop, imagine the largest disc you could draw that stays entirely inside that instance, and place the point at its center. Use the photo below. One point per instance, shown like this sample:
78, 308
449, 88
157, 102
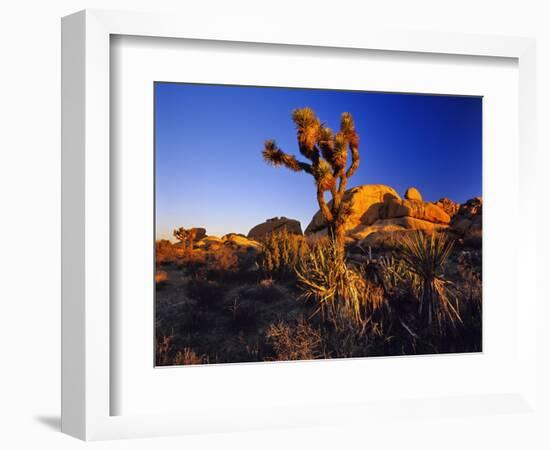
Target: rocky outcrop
364, 202
416, 209
275, 224
447, 205
472, 208
209, 243
378, 210
384, 230
241, 242
469, 216
413, 194
468, 222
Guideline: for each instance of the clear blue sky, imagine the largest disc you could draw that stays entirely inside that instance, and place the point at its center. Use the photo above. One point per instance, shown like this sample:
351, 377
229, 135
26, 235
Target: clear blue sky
210, 172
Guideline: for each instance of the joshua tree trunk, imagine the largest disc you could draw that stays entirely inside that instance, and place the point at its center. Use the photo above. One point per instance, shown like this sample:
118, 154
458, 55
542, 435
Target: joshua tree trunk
328, 155
337, 234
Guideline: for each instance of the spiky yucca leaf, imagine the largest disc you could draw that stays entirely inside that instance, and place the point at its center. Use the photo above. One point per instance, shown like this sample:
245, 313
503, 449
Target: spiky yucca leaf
425, 256
342, 293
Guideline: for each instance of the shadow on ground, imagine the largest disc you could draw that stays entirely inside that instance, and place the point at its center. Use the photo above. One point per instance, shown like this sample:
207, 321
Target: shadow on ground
51, 422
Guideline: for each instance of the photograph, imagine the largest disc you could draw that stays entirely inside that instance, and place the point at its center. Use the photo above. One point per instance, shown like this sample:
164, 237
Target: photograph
296, 224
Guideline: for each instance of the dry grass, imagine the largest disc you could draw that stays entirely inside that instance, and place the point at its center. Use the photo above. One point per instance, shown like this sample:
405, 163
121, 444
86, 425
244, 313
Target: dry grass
164, 346
223, 260
298, 342
188, 357
161, 277
341, 291
266, 283
165, 354
216, 309
165, 252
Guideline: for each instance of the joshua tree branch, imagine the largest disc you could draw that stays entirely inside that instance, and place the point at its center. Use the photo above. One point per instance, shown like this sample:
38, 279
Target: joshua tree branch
355, 158
342, 187
277, 157
323, 205
328, 153
305, 167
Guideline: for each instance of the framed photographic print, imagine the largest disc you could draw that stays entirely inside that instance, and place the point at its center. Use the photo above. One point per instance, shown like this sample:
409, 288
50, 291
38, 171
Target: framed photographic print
259, 265
249, 215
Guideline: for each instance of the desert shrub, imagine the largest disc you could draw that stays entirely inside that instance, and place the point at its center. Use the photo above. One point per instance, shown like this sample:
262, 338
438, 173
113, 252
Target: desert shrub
251, 305
161, 277
165, 252
205, 292
469, 287
166, 355
187, 316
266, 283
341, 291
164, 346
264, 292
187, 356
193, 263
281, 254
243, 311
223, 261
424, 257
295, 342
394, 275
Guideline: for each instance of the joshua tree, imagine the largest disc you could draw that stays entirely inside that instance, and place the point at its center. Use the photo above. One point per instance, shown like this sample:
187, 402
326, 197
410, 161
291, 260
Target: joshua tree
327, 152
186, 237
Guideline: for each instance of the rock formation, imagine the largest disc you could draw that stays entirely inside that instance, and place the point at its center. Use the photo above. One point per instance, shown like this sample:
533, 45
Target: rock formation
364, 203
240, 241
416, 209
413, 194
447, 205
378, 210
467, 223
209, 243
275, 224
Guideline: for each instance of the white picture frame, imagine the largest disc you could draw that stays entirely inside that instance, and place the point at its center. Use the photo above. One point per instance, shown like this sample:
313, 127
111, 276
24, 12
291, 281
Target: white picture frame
86, 221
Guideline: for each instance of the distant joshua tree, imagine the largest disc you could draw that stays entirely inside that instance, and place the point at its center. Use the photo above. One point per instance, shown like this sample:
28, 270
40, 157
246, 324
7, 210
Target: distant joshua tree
186, 237
328, 153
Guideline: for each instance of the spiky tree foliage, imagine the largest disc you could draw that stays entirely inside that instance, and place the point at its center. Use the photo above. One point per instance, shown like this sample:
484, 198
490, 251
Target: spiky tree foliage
327, 153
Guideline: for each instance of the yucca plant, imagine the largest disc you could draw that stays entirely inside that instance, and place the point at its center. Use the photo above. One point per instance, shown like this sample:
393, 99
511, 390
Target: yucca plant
425, 256
327, 152
282, 252
341, 291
